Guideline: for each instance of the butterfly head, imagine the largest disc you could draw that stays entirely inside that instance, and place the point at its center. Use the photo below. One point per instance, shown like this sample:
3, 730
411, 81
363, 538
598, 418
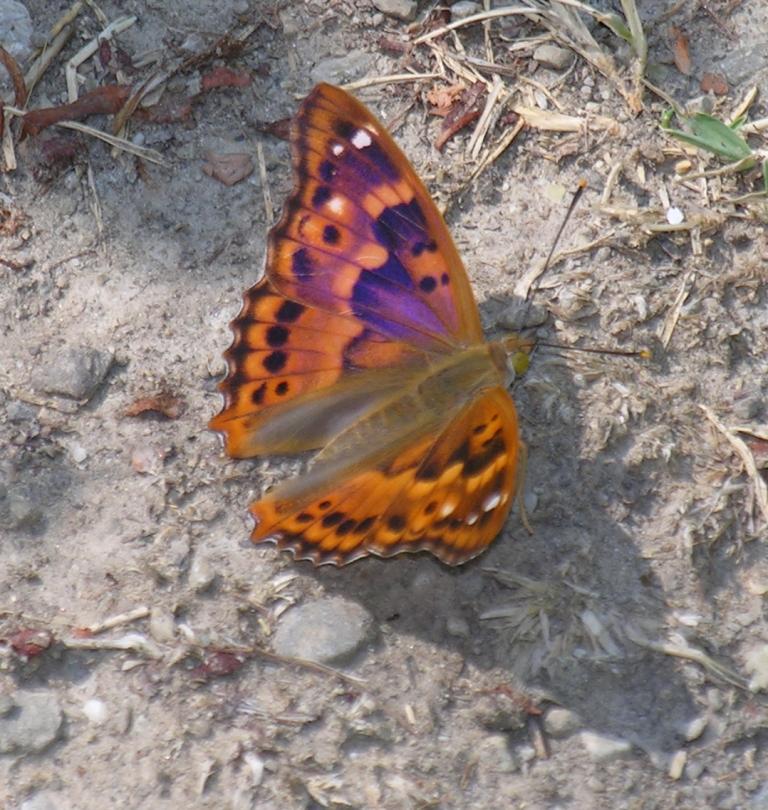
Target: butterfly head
512, 355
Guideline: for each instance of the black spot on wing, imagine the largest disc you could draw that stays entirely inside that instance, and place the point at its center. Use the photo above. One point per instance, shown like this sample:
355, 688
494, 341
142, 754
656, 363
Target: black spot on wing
495, 447
331, 235
321, 196
345, 527
445, 279
281, 389
277, 335
301, 264
289, 311
327, 171
275, 361
380, 159
396, 523
344, 129
332, 519
427, 284
364, 525
257, 395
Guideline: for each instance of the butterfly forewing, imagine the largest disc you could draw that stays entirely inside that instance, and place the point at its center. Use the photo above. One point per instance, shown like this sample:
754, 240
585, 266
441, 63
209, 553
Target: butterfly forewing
361, 234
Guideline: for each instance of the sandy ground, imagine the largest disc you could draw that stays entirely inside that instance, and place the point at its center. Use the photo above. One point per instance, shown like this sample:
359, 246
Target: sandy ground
603, 662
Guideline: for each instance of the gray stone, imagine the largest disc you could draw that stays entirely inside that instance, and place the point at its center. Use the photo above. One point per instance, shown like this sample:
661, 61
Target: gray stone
338, 69
602, 748
402, 9
552, 56
561, 722
15, 30
201, 573
329, 630
40, 801
32, 724
75, 372
17, 512
464, 9
495, 756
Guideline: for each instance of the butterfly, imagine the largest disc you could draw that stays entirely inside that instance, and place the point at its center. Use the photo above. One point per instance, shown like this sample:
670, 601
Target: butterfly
363, 340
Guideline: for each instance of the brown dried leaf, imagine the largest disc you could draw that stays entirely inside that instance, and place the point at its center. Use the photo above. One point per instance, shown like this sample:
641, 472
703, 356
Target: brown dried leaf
105, 100
164, 404
462, 113
442, 98
715, 83
229, 168
680, 51
224, 77
278, 129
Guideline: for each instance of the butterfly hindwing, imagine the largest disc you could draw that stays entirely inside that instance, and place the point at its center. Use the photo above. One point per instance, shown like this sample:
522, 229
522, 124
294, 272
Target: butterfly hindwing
448, 492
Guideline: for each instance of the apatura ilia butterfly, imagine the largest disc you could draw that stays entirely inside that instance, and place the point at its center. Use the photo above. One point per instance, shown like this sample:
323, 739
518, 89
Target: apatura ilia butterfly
363, 339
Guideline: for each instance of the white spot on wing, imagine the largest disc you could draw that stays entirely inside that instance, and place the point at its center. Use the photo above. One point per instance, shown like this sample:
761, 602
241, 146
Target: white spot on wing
472, 519
491, 502
447, 509
335, 204
360, 139
337, 149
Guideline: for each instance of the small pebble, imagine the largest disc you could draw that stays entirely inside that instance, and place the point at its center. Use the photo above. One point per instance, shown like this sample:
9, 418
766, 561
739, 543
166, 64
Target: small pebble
328, 630
464, 9
677, 764
96, 711
162, 625
33, 724
201, 573
694, 728
559, 722
602, 748
74, 371
457, 626
553, 56
401, 9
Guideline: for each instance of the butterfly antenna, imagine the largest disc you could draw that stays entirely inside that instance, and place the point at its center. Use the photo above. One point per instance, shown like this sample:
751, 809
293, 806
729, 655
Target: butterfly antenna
574, 201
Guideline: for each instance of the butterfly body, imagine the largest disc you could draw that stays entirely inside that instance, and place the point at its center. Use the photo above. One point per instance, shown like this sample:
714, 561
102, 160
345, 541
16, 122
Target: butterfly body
363, 339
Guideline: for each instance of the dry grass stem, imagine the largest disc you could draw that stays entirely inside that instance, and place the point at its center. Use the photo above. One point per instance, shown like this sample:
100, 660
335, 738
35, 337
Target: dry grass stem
471, 20
690, 654
670, 322
88, 50
759, 486
487, 118
119, 619
142, 152
393, 78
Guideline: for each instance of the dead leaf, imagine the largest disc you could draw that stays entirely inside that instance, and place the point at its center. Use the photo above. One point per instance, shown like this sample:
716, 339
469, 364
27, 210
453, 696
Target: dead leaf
713, 82
680, 51
466, 110
164, 404
278, 129
224, 77
228, 169
443, 98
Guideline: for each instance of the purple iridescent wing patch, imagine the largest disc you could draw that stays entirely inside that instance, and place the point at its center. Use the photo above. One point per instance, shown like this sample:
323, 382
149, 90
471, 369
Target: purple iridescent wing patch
361, 236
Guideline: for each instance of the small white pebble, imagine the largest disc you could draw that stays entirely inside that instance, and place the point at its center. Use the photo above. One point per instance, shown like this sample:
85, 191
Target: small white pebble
674, 215
96, 711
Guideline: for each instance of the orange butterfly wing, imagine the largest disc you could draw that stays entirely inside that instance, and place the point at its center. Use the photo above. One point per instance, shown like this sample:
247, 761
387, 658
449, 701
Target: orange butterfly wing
448, 493
364, 292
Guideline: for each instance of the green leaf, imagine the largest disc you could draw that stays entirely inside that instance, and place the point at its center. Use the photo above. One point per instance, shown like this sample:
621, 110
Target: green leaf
713, 135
